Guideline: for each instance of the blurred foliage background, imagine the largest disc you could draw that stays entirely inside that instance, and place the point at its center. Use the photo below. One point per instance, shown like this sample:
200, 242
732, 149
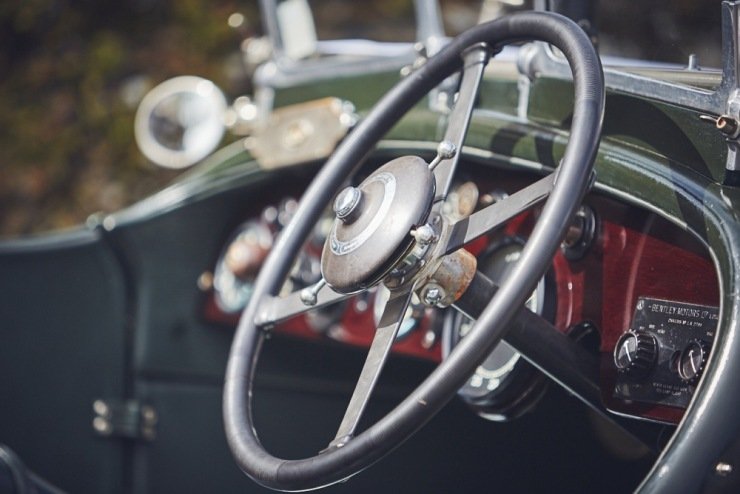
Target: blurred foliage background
72, 73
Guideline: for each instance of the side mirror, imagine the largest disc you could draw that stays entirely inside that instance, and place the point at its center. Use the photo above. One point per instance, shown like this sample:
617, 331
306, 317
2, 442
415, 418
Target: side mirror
180, 122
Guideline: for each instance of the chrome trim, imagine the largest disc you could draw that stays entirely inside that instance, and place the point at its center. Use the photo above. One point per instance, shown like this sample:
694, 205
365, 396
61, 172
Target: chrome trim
539, 59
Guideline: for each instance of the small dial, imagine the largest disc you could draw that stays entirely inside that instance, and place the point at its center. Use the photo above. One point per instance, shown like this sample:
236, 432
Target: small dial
247, 248
635, 353
238, 265
692, 360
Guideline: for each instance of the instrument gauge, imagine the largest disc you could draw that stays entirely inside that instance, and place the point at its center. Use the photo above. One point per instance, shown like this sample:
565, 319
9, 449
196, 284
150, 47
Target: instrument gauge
247, 248
504, 386
238, 265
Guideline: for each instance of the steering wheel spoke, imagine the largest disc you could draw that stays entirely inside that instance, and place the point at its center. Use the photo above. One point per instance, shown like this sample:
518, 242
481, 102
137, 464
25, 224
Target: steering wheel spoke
388, 324
475, 61
498, 213
274, 309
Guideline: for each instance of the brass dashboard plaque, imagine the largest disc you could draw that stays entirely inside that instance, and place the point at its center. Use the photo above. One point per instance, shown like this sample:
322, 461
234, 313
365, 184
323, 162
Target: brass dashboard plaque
301, 133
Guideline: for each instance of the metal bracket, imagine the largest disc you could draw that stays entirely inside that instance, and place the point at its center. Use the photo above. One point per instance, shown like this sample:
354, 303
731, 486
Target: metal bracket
723, 102
728, 122
124, 419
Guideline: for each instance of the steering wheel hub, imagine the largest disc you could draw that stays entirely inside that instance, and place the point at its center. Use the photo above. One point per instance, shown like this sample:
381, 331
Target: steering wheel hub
358, 252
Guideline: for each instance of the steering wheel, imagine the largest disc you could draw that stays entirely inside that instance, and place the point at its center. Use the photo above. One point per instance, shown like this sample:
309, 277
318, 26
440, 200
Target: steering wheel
388, 232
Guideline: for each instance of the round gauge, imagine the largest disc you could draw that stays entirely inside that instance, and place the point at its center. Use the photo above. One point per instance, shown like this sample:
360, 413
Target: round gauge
504, 386
238, 264
488, 376
246, 250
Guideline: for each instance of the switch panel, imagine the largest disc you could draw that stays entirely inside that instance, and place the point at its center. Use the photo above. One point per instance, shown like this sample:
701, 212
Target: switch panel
680, 336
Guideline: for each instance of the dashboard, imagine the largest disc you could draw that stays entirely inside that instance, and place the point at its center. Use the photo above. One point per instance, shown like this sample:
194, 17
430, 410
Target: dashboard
634, 288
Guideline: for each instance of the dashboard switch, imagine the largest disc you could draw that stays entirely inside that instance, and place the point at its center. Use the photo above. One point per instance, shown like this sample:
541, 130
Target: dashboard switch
635, 353
692, 361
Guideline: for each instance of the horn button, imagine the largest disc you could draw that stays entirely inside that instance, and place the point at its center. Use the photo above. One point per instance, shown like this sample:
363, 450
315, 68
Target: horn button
372, 224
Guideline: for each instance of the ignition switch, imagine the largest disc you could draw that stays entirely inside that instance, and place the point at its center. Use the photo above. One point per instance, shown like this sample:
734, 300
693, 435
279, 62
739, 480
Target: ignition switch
580, 234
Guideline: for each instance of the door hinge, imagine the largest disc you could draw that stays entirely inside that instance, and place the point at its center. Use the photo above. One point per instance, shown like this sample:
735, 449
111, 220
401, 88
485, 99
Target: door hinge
124, 419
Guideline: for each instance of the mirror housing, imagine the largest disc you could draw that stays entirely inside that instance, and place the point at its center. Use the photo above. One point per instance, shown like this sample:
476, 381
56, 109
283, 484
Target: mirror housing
180, 122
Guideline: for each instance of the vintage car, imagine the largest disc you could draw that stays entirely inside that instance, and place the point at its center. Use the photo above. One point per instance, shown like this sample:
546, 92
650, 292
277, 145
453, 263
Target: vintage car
538, 246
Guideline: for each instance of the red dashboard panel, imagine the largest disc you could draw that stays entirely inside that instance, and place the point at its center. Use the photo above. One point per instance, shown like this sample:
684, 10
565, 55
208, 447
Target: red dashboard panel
637, 264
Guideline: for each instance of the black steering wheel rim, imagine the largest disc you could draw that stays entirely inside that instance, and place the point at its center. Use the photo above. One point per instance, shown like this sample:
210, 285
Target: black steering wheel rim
573, 178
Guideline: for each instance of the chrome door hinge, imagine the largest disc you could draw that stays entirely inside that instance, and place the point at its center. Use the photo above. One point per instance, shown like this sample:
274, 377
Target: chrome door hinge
124, 419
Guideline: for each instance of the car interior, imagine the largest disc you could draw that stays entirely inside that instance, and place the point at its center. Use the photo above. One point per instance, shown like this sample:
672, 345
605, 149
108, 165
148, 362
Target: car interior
503, 260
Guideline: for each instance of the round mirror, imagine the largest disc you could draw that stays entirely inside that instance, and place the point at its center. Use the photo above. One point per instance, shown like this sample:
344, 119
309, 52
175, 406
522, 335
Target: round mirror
180, 121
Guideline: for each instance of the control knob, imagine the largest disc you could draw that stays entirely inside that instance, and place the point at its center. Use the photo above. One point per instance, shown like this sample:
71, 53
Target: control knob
692, 361
635, 353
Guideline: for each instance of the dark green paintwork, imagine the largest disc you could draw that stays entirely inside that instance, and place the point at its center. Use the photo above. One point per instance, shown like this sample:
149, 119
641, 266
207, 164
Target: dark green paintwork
673, 136
362, 90
676, 134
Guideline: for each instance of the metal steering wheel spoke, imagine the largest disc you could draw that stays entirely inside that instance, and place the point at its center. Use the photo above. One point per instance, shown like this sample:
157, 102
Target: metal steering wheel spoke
388, 325
448, 153
275, 309
498, 213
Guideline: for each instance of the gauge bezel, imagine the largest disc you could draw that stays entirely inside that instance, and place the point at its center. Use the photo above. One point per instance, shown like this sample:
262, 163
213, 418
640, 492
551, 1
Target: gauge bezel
521, 388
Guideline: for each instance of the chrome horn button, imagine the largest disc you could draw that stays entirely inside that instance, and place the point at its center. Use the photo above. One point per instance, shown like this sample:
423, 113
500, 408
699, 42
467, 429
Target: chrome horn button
371, 231
346, 204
